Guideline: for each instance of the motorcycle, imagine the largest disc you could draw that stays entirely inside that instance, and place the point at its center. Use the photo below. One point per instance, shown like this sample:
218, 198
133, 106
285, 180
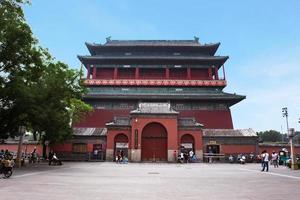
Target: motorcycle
6, 167
231, 159
243, 159
55, 161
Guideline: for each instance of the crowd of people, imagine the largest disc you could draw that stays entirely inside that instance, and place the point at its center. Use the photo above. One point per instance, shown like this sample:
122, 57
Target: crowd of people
186, 156
265, 159
121, 158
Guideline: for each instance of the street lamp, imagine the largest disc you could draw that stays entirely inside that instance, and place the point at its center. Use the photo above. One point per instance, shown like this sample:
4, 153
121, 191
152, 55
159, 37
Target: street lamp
285, 114
22, 130
291, 134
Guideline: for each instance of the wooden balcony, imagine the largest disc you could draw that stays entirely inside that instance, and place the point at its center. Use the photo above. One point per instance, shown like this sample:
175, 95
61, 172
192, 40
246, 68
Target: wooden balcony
153, 82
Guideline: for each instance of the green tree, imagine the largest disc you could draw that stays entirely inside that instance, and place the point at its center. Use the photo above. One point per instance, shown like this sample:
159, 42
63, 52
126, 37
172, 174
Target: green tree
270, 136
35, 90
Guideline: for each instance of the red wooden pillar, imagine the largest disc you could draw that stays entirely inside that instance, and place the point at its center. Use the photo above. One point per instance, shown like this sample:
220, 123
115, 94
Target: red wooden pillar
88, 71
94, 72
210, 73
137, 73
189, 73
224, 75
167, 73
216, 73
115, 73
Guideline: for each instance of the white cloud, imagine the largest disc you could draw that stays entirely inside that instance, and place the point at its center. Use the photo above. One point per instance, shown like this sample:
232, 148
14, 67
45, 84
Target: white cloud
270, 83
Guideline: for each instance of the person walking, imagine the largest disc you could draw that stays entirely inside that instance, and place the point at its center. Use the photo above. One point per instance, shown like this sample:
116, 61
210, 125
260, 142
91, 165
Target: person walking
265, 161
50, 156
274, 159
191, 154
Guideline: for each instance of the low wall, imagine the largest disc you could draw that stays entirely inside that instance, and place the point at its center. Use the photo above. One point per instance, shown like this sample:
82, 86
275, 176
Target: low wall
27, 148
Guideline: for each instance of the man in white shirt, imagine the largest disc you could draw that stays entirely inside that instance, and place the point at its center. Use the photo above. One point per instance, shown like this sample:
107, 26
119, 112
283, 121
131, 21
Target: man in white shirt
265, 161
275, 159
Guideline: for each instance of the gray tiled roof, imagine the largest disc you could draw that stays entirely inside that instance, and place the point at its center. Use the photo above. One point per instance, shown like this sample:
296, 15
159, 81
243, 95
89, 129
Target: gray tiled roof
84, 131
119, 121
188, 122
154, 108
152, 43
229, 132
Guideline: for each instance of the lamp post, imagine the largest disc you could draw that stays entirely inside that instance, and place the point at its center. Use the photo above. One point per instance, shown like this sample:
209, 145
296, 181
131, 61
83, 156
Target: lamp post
291, 134
285, 114
22, 130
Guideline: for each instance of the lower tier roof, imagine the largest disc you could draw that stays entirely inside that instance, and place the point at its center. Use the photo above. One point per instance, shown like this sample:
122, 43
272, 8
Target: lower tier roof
163, 93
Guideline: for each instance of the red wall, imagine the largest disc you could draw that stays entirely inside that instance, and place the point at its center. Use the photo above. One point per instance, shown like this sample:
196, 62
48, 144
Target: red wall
111, 137
105, 73
199, 74
152, 74
270, 149
219, 119
99, 117
178, 74
66, 147
30, 147
233, 149
126, 73
170, 125
197, 136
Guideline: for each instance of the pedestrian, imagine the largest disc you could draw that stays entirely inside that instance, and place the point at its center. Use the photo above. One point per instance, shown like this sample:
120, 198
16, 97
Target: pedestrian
186, 157
210, 154
262, 157
122, 155
50, 156
119, 160
33, 157
175, 155
181, 157
265, 161
191, 154
275, 159
2, 153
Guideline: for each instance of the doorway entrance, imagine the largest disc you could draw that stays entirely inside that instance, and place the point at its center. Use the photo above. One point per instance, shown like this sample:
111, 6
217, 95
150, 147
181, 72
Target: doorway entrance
154, 143
187, 143
121, 145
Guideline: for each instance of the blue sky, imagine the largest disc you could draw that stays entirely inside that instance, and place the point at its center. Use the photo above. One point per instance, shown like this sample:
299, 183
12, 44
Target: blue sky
260, 37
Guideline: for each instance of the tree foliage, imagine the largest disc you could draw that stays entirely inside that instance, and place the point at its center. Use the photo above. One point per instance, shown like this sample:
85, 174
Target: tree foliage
35, 90
270, 136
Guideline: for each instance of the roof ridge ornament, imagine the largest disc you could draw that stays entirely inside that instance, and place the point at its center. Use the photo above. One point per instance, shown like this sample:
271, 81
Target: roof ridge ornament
196, 39
108, 39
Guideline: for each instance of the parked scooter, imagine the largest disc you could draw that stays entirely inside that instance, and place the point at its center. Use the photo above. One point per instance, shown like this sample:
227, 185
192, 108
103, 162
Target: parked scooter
243, 159
231, 159
6, 166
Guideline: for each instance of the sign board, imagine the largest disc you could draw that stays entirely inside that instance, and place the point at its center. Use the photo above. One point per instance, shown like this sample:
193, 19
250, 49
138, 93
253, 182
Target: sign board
212, 142
136, 138
122, 145
187, 145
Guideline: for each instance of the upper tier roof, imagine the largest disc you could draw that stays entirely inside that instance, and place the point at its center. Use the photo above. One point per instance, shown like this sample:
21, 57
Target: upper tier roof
218, 61
153, 45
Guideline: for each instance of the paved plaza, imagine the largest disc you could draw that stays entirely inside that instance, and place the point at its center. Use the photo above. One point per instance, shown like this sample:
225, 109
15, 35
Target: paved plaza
142, 181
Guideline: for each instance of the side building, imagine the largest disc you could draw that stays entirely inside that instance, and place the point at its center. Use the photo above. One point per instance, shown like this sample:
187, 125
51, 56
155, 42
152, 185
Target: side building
153, 99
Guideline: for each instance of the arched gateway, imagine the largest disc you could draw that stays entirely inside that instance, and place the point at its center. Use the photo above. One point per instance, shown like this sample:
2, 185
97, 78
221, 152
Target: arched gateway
187, 143
121, 144
154, 142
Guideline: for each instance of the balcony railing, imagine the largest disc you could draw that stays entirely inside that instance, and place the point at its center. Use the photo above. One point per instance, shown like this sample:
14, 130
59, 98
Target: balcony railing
153, 82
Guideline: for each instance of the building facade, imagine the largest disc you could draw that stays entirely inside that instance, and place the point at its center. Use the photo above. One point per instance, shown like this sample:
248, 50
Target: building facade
155, 98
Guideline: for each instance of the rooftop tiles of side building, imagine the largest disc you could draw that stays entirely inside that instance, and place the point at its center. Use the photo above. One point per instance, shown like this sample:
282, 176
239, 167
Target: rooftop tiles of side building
229, 133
